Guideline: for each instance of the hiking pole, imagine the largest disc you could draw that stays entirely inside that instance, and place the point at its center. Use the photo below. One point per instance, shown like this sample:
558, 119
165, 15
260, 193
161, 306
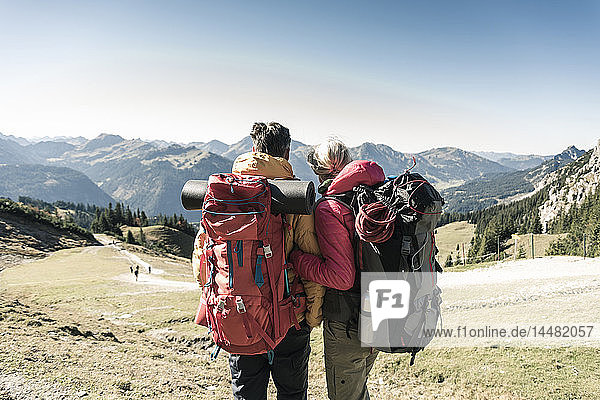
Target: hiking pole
287, 196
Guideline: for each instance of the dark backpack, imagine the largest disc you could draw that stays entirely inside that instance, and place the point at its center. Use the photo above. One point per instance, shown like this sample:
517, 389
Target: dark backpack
395, 223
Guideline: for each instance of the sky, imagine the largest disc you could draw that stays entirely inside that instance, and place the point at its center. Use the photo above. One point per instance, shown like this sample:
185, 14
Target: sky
520, 76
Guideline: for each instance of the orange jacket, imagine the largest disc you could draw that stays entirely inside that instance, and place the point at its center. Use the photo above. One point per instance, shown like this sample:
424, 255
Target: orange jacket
301, 233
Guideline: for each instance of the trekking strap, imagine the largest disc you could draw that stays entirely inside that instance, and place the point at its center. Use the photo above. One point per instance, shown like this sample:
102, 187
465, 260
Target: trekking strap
256, 327
215, 353
239, 250
230, 263
270, 356
287, 283
258, 276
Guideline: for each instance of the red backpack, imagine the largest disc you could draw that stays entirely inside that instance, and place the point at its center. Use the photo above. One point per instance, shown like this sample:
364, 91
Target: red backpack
247, 302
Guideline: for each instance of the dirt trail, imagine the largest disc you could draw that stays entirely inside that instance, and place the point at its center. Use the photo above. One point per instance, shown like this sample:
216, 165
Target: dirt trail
547, 291
145, 278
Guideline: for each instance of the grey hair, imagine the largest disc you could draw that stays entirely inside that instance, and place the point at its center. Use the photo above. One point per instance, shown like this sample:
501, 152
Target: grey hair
329, 157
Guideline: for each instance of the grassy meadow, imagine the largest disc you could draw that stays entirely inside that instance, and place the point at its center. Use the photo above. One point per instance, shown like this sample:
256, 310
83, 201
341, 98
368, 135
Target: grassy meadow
77, 324
449, 236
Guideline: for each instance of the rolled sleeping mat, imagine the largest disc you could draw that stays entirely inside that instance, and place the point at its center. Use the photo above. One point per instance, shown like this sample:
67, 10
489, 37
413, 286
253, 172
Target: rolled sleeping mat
287, 196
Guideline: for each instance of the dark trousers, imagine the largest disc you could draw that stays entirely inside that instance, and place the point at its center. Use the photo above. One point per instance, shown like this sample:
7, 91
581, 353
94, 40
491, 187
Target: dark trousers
250, 374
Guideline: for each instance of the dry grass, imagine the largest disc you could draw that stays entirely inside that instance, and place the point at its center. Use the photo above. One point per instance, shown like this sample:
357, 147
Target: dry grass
541, 242
68, 326
450, 235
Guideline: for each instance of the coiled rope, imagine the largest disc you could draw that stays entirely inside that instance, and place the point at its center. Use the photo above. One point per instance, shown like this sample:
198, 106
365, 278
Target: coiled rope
375, 222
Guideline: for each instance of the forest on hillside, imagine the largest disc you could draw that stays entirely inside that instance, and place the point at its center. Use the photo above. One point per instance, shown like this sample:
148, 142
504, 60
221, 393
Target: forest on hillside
582, 223
87, 219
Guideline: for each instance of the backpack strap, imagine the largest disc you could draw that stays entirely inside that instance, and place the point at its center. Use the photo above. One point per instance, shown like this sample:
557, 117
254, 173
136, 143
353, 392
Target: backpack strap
230, 263
337, 199
258, 275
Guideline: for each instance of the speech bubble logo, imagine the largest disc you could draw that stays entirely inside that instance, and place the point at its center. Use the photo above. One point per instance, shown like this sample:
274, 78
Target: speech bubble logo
389, 299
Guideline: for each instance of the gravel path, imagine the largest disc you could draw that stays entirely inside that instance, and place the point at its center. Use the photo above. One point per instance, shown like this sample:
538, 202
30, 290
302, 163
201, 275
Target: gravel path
550, 291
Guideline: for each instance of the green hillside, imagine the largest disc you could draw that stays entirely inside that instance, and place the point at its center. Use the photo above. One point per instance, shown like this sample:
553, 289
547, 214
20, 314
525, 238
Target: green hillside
27, 231
50, 184
164, 238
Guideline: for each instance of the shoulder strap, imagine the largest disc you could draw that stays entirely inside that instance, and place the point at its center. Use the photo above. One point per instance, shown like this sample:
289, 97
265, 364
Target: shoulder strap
338, 200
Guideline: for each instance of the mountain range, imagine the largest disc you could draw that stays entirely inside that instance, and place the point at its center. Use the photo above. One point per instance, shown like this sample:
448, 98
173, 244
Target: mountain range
494, 188
512, 160
150, 174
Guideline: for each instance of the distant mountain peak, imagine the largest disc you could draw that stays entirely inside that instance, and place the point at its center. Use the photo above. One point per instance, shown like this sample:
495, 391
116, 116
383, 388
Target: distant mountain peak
570, 153
108, 136
102, 140
571, 184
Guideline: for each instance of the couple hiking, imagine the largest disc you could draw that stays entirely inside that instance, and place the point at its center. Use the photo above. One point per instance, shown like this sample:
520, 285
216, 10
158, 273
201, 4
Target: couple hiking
265, 290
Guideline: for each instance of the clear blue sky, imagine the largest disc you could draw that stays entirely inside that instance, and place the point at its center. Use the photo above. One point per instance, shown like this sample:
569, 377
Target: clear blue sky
519, 76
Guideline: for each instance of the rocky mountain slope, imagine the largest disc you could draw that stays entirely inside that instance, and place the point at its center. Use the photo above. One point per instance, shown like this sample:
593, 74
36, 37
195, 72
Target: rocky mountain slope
150, 175
495, 188
12, 152
570, 185
449, 166
444, 167
140, 174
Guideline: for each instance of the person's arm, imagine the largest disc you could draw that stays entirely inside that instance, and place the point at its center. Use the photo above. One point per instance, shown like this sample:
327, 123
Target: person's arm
305, 235
305, 238
336, 269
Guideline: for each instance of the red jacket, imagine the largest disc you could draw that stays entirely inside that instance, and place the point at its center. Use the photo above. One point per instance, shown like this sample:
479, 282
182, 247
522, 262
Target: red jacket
334, 225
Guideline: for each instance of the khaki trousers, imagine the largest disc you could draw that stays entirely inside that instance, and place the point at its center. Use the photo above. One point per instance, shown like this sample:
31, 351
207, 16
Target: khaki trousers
347, 364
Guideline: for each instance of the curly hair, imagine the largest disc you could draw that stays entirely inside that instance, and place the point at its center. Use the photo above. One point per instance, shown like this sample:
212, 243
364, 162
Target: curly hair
271, 138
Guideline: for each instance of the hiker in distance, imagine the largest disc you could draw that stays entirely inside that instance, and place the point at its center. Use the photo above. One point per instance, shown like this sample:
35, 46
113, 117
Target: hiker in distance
287, 362
347, 364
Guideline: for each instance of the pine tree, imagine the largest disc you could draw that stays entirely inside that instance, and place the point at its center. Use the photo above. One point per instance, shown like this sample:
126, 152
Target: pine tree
128, 216
142, 236
449, 261
130, 238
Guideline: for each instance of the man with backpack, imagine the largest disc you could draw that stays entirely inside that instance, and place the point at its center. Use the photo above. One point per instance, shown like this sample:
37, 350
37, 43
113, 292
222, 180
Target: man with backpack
287, 361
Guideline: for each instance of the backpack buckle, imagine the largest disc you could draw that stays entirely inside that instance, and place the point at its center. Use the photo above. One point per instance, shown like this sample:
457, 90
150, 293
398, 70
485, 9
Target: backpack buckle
268, 252
241, 308
295, 301
221, 305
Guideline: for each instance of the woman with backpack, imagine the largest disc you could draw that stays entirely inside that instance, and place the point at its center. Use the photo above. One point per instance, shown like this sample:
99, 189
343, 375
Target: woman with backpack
347, 364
